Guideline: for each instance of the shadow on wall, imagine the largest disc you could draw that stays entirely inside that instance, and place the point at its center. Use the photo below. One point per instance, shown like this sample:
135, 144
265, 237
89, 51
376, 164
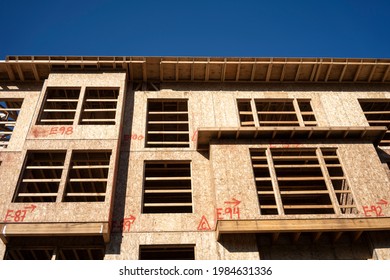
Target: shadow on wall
121, 184
305, 248
257, 87
239, 243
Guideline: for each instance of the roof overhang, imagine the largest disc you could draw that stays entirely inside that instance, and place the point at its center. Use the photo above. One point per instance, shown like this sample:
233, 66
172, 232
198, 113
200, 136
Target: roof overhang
204, 69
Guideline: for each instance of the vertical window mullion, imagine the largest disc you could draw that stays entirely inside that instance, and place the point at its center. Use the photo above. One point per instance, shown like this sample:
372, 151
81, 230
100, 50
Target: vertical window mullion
79, 107
328, 181
274, 179
298, 112
254, 113
64, 176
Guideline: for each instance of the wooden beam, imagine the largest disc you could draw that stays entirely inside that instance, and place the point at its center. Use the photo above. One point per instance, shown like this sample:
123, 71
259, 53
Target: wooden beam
253, 71
313, 72
11, 74
223, 72
207, 70
269, 70
316, 236
298, 71
177, 70
295, 237
35, 72
356, 236
386, 73
283, 72
372, 73
275, 237
328, 72
144, 72
302, 225
20, 72
318, 71
238, 70
355, 78
54, 229
337, 236
192, 70
343, 72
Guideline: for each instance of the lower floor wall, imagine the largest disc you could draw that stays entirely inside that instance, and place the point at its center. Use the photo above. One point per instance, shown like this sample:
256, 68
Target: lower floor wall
203, 246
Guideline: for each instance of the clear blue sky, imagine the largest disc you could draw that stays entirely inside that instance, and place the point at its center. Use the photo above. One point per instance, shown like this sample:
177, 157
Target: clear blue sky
246, 28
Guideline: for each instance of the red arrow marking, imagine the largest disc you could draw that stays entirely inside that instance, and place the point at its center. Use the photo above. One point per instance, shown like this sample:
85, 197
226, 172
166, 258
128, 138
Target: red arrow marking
204, 224
37, 132
234, 201
382, 201
32, 207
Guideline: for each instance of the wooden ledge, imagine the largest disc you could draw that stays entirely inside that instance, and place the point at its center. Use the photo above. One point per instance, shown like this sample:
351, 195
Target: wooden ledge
54, 229
372, 134
301, 225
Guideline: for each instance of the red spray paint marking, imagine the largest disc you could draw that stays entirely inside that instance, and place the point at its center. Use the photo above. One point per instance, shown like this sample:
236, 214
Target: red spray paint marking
375, 210
123, 225
67, 130
230, 213
39, 132
204, 224
127, 137
18, 215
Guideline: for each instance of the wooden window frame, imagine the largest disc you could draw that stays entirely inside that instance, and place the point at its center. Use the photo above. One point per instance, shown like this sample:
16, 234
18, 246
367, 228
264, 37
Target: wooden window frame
167, 194
300, 112
377, 116
42, 182
9, 113
161, 132
276, 194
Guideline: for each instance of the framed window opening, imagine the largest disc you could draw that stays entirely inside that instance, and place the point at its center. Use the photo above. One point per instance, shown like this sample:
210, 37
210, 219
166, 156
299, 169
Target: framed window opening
301, 181
99, 106
276, 112
9, 112
167, 123
377, 113
42, 174
167, 252
61, 105
167, 187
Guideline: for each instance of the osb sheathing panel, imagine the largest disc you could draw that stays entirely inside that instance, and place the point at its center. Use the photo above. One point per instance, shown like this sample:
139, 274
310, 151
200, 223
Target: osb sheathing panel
2, 250
9, 172
233, 247
368, 180
58, 211
130, 185
381, 245
102, 80
30, 98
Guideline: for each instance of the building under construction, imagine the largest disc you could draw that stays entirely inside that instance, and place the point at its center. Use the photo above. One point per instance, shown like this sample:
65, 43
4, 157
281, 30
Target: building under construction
194, 158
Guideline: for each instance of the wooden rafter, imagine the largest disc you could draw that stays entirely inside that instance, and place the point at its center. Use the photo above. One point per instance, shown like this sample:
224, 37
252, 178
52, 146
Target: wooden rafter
35, 71
223, 72
356, 77
386, 73
298, 71
372, 72
238, 70
207, 70
253, 71
269, 70
328, 72
343, 72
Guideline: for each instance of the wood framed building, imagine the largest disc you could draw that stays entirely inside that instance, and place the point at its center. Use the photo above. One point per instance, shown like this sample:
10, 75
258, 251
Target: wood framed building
194, 158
